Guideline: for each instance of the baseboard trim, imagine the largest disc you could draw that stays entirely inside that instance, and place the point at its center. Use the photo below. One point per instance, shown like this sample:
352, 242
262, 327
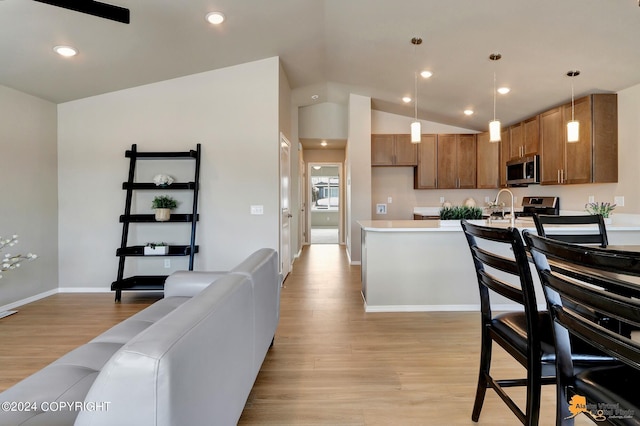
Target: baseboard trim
30, 299
84, 290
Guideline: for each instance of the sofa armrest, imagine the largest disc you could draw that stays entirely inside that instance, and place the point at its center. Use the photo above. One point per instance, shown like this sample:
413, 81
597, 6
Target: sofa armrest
190, 283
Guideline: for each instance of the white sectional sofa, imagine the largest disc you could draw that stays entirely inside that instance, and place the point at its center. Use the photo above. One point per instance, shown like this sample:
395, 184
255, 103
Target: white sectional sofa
188, 359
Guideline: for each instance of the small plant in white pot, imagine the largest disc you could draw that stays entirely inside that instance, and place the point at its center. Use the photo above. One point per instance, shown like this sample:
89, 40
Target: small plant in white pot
604, 209
163, 204
156, 249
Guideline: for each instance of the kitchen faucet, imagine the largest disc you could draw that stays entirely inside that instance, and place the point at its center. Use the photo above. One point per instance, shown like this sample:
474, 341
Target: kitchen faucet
513, 215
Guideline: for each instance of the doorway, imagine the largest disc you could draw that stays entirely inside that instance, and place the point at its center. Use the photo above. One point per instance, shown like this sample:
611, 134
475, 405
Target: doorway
325, 203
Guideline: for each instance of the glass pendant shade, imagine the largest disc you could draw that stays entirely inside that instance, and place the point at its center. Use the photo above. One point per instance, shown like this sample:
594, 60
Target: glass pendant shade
494, 131
416, 132
573, 131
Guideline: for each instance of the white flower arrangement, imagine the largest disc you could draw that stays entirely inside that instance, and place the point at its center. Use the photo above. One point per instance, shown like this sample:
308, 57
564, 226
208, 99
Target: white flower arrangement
162, 180
12, 261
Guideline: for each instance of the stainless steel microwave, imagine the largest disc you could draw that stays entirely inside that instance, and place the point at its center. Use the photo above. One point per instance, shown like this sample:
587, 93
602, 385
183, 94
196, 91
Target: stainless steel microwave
523, 171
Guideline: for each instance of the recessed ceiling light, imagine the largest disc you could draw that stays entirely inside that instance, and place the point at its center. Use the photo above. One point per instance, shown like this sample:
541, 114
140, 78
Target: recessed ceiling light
323, 143
66, 51
215, 18
468, 112
426, 74
503, 90
315, 97
406, 99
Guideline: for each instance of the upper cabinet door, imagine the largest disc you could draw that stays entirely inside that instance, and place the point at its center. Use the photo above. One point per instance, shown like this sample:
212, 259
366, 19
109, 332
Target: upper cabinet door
393, 150
382, 149
426, 172
516, 136
578, 155
505, 155
447, 163
531, 128
552, 147
406, 152
466, 160
488, 159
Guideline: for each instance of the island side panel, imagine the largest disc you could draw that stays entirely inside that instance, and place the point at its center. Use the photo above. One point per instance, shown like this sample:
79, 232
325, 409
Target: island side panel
416, 271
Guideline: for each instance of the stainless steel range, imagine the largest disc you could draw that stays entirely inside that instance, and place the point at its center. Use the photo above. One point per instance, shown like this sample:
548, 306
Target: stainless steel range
539, 205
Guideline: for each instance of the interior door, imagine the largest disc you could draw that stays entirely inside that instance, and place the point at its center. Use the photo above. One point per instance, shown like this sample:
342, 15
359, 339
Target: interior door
285, 209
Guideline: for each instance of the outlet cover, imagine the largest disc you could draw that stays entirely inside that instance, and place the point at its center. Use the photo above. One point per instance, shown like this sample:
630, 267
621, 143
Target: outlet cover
381, 208
167, 263
441, 200
592, 199
619, 200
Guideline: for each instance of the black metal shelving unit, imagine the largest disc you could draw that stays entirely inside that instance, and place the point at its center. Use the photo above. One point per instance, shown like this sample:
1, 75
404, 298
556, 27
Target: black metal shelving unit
154, 282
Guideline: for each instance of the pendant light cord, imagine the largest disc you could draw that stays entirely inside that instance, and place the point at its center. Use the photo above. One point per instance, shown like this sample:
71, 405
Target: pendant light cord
494, 96
415, 85
572, 106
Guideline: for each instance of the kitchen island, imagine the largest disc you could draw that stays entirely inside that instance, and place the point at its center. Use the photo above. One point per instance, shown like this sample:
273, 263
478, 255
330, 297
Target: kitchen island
425, 265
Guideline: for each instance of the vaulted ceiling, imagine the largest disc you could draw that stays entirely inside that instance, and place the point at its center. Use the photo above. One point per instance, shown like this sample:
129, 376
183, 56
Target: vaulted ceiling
331, 48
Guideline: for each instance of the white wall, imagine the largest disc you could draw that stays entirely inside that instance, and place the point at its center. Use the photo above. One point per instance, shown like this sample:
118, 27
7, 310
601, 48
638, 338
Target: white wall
29, 208
233, 112
323, 121
358, 172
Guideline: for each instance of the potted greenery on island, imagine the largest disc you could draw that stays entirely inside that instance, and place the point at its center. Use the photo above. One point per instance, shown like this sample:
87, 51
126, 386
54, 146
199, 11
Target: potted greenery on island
600, 208
163, 204
453, 215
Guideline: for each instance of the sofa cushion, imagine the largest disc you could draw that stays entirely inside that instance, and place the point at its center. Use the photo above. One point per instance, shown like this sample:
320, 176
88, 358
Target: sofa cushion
189, 283
132, 326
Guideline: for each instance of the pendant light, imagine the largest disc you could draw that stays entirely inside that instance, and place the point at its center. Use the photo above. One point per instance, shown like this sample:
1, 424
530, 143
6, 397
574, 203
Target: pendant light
494, 126
416, 127
573, 126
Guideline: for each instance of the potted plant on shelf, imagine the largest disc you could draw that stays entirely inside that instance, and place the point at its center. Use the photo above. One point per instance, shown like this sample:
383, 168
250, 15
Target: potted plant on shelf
603, 209
163, 204
156, 249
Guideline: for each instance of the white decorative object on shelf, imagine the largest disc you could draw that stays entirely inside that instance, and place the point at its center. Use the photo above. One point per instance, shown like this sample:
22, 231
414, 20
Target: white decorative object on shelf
156, 249
162, 180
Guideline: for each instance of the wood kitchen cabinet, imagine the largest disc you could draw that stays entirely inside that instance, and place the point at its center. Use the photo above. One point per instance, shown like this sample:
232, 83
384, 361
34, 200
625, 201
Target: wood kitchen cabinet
594, 158
525, 137
393, 150
505, 155
552, 136
456, 161
488, 160
426, 173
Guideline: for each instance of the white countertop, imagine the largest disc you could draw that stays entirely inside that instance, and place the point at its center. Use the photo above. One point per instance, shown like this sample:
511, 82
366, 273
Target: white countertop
454, 226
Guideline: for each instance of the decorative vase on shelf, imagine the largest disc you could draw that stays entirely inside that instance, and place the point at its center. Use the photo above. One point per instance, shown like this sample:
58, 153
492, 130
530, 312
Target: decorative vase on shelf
163, 215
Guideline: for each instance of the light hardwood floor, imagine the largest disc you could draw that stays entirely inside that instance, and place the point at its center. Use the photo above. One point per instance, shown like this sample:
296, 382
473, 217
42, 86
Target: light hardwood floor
331, 364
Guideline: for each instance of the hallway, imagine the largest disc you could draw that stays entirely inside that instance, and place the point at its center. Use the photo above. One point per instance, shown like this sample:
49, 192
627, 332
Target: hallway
334, 364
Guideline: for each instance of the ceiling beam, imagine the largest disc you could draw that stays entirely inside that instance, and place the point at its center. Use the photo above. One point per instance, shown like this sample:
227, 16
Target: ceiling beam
95, 8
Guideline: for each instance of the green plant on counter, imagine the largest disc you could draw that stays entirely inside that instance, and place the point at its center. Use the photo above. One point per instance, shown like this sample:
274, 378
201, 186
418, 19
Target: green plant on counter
603, 209
460, 212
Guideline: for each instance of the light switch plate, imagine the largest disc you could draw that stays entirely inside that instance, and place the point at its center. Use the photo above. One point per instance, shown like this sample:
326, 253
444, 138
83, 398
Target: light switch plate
619, 200
257, 209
